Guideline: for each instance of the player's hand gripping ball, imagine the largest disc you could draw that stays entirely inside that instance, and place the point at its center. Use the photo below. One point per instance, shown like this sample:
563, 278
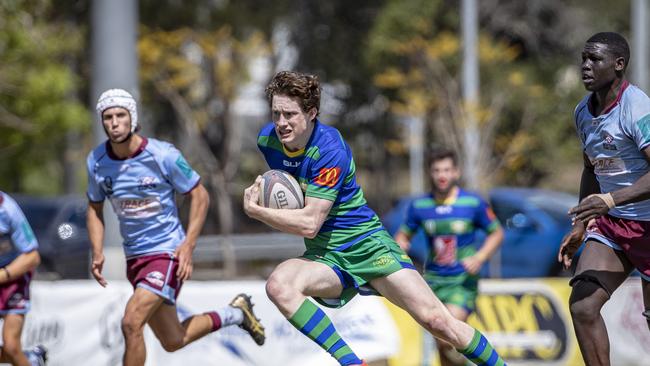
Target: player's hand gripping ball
280, 190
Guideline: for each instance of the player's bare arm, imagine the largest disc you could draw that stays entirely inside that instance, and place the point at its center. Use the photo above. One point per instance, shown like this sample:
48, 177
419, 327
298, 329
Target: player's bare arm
18, 267
305, 222
95, 224
199, 203
573, 239
596, 205
403, 240
492, 242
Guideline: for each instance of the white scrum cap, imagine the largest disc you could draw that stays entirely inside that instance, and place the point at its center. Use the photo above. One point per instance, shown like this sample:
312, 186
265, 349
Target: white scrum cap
118, 98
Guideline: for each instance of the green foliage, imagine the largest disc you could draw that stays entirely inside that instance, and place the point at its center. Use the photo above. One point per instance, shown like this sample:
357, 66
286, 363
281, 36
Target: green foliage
38, 87
523, 118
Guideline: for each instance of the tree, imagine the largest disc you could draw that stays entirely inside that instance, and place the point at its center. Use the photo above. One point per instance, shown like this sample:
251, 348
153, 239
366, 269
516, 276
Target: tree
39, 88
523, 112
199, 74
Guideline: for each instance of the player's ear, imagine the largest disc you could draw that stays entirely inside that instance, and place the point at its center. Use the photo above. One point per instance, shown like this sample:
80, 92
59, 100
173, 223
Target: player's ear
620, 64
312, 113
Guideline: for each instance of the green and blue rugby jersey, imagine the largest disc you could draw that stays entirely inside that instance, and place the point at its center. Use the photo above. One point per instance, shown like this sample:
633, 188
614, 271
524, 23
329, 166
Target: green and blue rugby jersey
325, 169
450, 228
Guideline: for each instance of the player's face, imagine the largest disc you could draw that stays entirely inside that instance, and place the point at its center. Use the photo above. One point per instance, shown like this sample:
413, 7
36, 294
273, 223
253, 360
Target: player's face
444, 175
292, 125
599, 66
117, 124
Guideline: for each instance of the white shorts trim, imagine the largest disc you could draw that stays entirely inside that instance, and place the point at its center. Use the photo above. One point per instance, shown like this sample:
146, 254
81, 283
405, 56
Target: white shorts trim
602, 240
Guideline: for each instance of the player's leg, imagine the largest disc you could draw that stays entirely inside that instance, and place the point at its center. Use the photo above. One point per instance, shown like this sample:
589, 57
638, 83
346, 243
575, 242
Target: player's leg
288, 288
600, 271
174, 334
12, 351
448, 354
408, 290
139, 309
645, 285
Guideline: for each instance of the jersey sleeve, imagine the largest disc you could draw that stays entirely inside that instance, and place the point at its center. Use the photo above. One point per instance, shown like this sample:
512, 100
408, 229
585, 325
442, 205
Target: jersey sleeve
485, 217
411, 221
179, 172
327, 174
94, 192
22, 235
636, 122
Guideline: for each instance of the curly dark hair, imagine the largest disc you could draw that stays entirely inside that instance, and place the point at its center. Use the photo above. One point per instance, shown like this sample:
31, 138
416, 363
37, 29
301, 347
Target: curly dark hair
437, 153
305, 87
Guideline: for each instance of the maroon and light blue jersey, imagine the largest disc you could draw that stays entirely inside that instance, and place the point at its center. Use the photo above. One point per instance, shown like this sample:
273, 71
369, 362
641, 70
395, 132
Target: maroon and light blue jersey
450, 228
141, 190
16, 236
325, 169
614, 143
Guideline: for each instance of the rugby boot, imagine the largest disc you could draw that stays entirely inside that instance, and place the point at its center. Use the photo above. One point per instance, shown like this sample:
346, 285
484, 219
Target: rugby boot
250, 324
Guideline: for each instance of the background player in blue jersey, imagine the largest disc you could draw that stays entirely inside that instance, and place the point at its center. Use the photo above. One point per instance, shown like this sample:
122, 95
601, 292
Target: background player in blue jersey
18, 260
348, 250
140, 177
450, 217
613, 217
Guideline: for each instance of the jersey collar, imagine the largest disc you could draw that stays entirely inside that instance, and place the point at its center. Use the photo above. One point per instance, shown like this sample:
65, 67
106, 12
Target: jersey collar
293, 154
111, 153
609, 108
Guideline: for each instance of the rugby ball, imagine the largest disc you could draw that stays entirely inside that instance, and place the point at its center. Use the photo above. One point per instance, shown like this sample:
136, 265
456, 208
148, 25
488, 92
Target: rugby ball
280, 190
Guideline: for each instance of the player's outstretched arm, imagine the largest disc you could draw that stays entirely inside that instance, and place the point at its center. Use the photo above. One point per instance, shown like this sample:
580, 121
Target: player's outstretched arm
95, 224
305, 222
199, 202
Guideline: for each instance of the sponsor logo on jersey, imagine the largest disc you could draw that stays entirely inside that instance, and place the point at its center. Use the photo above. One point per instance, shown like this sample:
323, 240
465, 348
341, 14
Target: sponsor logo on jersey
444, 209
156, 278
458, 226
145, 183
644, 127
328, 177
291, 164
444, 247
137, 208
107, 185
430, 226
608, 166
182, 164
608, 142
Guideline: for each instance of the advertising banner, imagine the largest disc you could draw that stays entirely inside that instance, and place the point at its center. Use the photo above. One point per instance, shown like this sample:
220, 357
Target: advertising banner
79, 323
528, 322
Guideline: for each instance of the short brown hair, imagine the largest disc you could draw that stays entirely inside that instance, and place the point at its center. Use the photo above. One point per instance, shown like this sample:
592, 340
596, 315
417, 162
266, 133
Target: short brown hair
440, 153
305, 87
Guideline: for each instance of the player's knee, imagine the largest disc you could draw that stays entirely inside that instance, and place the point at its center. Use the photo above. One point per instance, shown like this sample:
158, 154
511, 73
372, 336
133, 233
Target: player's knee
172, 344
437, 322
131, 327
279, 289
582, 304
12, 347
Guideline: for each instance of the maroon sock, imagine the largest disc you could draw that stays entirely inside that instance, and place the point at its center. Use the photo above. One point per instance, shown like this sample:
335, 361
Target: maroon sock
216, 320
